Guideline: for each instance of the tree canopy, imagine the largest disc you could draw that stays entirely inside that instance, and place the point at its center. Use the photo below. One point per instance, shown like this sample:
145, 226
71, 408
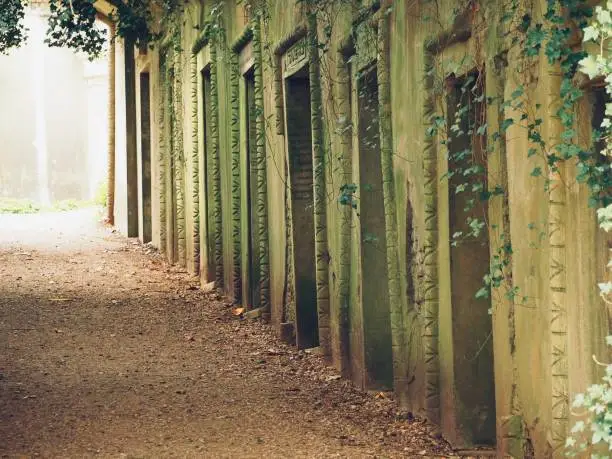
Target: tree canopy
72, 23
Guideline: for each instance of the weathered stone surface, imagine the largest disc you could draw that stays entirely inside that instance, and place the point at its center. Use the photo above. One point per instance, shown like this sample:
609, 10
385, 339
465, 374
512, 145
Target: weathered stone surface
408, 317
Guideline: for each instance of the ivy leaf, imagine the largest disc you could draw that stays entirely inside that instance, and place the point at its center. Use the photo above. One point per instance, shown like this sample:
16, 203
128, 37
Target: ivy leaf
568, 134
589, 67
598, 435
578, 402
603, 16
506, 124
483, 292
605, 289
535, 38
536, 172
590, 33
518, 92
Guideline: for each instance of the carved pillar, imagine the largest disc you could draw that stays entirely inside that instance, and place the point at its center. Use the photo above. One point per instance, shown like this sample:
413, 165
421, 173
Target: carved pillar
558, 301
400, 372
110, 196
262, 181
179, 156
430, 256
235, 126
320, 196
344, 265
216, 169
163, 142
195, 174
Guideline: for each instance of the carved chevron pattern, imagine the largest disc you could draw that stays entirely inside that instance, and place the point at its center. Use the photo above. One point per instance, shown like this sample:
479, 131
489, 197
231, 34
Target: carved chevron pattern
320, 215
262, 181
179, 157
243, 39
215, 166
344, 274
162, 154
236, 241
400, 369
430, 310
195, 174
430, 261
558, 325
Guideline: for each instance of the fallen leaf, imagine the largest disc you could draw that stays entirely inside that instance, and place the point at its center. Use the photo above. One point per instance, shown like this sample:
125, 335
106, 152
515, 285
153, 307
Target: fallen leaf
238, 311
274, 352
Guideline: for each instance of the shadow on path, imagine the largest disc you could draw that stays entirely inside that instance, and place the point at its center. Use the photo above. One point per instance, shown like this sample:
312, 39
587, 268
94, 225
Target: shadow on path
106, 351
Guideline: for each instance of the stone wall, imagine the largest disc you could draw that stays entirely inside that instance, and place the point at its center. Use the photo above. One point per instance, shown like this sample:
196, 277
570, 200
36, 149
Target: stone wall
501, 380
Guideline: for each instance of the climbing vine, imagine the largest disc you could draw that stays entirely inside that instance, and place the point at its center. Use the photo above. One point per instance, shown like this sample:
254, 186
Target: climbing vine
592, 433
550, 37
459, 124
463, 135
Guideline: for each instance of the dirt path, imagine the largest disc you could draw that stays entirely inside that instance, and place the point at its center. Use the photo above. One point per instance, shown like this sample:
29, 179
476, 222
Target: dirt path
105, 351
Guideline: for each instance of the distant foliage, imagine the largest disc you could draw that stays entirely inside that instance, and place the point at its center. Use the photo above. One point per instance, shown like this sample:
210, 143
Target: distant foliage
132, 19
72, 24
12, 28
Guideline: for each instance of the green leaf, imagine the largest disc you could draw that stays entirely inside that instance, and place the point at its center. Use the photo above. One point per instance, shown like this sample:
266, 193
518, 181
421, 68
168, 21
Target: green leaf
590, 33
506, 124
483, 292
579, 426
603, 16
589, 66
536, 172
518, 92
568, 134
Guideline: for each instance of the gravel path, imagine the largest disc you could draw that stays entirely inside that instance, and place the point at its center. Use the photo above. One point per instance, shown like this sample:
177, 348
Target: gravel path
106, 351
